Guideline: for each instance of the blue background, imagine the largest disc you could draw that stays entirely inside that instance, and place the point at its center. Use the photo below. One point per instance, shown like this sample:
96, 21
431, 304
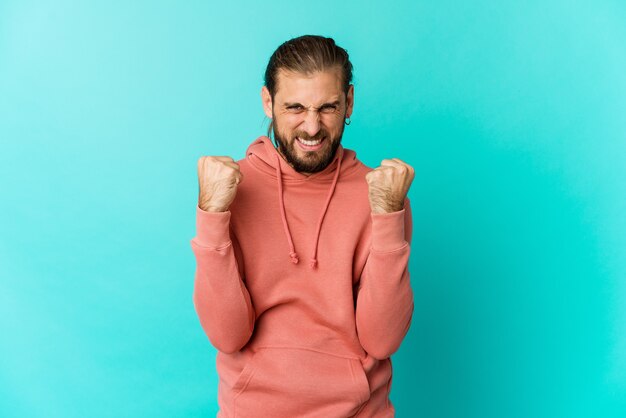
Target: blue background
512, 114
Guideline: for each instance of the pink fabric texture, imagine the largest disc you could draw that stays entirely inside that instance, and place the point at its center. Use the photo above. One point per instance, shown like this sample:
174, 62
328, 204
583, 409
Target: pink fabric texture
304, 292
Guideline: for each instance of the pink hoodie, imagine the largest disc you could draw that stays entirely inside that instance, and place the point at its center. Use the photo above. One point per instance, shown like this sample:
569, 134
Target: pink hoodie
303, 290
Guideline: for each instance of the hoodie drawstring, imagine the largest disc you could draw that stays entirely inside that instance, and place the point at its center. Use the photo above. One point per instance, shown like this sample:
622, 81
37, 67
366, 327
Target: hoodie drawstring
319, 223
279, 175
292, 252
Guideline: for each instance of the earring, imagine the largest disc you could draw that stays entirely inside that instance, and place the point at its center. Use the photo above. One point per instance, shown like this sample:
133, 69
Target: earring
348, 121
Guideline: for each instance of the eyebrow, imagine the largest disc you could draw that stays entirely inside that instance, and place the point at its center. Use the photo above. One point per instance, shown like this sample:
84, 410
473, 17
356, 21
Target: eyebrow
335, 103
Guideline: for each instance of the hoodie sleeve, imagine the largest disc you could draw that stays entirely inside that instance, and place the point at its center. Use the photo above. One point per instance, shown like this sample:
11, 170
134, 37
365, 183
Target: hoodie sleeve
220, 296
384, 306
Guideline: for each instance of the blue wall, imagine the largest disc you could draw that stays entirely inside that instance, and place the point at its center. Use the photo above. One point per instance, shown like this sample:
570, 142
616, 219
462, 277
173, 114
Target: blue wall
512, 113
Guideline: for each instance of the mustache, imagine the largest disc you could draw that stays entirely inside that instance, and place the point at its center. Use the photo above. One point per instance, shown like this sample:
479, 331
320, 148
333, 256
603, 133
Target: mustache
321, 134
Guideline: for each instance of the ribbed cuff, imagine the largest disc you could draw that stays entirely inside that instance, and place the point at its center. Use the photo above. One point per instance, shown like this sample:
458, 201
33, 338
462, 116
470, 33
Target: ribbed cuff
388, 230
212, 228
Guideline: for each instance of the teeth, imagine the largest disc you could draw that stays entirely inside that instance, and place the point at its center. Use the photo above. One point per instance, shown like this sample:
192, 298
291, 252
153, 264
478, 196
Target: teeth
310, 143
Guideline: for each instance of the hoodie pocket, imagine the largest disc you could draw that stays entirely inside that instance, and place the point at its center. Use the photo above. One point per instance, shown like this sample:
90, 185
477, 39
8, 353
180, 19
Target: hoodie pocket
244, 376
290, 382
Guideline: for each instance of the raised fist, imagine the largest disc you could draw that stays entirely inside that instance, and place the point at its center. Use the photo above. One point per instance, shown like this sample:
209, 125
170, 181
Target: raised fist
218, 178
389, 184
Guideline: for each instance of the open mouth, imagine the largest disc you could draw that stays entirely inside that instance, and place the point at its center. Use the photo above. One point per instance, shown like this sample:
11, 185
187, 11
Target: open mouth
310, 145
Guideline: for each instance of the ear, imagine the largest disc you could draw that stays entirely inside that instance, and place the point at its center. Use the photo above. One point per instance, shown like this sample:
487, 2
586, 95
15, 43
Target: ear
266, 99
350, 100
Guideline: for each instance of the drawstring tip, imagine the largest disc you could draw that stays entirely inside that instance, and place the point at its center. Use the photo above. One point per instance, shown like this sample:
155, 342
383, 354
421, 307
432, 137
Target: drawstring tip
313, 263
294, 258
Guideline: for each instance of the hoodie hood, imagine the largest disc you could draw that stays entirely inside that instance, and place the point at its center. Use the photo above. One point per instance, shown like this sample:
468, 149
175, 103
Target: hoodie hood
264, 156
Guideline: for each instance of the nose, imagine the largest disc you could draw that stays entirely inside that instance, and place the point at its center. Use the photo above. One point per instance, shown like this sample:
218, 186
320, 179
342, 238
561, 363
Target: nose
311, 123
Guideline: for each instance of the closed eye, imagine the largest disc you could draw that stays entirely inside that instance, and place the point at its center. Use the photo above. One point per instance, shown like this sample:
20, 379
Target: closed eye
328, 108
325, 108
295, 108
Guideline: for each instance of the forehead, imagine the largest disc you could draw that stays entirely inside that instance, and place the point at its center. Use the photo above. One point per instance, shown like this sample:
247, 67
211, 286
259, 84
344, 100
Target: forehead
317, 87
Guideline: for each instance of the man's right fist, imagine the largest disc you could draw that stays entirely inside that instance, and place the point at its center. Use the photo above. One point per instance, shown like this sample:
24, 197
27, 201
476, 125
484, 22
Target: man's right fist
218, 178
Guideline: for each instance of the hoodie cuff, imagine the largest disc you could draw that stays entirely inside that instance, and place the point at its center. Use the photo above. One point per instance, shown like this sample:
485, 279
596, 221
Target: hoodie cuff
212, 228
388, 231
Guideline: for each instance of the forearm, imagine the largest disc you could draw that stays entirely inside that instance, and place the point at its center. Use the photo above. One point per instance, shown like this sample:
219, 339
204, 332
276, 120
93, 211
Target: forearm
220, 296
385, 299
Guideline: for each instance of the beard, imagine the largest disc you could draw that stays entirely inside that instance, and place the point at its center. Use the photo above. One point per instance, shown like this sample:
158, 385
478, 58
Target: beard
312, 161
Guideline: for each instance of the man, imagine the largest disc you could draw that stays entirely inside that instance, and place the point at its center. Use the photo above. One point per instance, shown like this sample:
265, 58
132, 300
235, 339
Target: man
302, 251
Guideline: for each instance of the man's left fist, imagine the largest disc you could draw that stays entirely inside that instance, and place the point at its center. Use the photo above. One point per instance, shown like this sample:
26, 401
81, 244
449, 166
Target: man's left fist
388, 185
